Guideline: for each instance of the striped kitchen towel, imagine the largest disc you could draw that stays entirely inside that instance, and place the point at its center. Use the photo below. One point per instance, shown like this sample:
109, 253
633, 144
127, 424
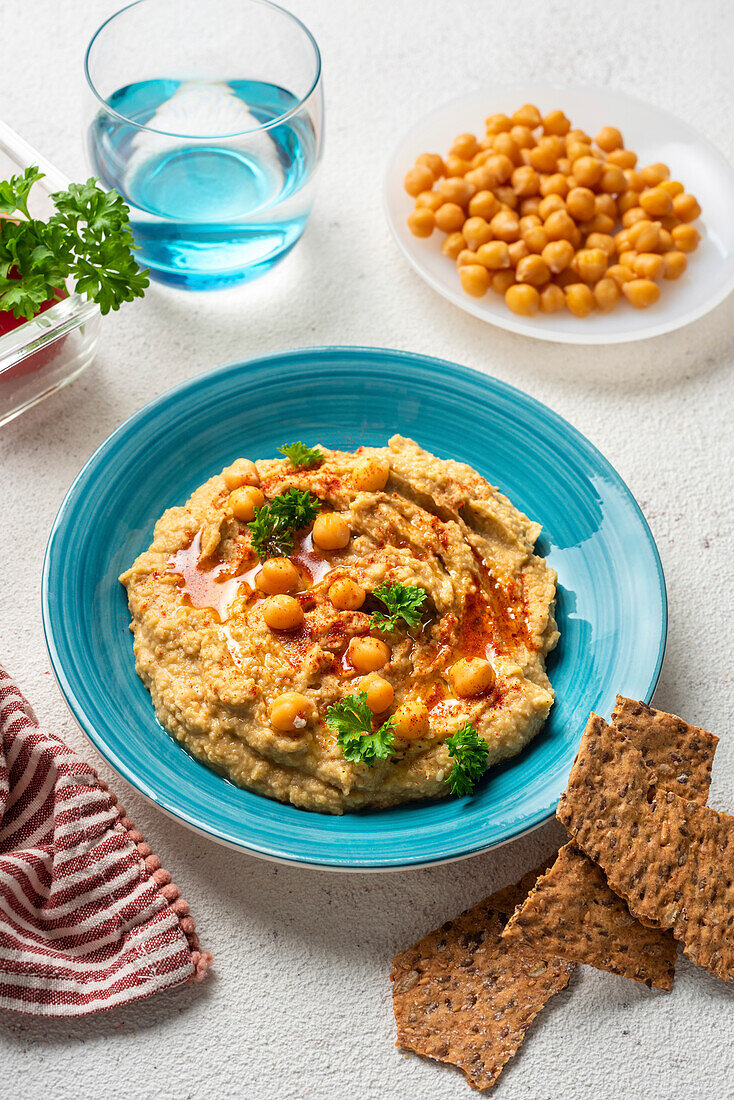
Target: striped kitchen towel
88, 917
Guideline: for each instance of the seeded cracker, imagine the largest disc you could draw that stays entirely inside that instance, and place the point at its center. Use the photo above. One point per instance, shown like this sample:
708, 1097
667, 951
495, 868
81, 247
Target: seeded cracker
572, 912
462, 996
670, 859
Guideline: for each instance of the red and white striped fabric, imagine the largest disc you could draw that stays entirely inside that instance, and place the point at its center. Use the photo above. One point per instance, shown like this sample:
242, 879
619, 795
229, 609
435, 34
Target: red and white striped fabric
88, 918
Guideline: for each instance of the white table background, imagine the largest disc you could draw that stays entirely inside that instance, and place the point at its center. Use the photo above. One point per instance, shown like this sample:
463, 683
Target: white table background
299, 1001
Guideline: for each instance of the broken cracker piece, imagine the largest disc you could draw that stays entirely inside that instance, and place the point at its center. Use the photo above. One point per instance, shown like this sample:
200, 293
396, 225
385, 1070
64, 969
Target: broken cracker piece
463, 996
671, 859
572, 912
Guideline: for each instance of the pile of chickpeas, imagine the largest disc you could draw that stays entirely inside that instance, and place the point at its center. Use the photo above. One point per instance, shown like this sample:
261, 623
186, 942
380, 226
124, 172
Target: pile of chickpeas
551, 218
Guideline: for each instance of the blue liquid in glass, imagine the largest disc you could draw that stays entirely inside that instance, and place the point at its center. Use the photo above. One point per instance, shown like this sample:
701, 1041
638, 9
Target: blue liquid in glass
207, 211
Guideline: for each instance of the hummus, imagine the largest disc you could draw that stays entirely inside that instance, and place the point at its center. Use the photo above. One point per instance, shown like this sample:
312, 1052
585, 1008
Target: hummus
217, 672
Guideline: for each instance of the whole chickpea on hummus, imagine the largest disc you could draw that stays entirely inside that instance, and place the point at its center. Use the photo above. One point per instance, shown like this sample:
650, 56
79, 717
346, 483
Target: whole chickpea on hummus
345, 630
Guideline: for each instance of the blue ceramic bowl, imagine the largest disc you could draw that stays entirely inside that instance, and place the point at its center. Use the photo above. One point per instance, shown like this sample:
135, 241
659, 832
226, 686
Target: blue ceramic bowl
611, 596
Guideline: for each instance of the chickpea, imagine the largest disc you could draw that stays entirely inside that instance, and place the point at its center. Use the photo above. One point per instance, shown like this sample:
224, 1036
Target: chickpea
523, 137
380, 692
606, 205
346, 595
518, 251
535, 238
245, 501
580, 299
612, 180
609, 138
471, 676
528, 115
455, 190
600, 223
430, 199
411, 720
603, 241
481, 157
555, 184
552, 299
290, 712
556, 123
474, 279
421, 222
525, 181
483, 205
550, 205
675, 264
641, 293
654, 174
497, 124
649, 265
532, 270
623, 158
531, 205
559, 226
666, 241
456, 166
564, 167
544, 157
558, 255
331, 531
453, 245
368, 654
505, 226
277, 576
282, 612
622, 240
627, 258
607, 294
578, 149
686, 208
645, 236
502, 166
580, 203
241, 472
476, 231
432, 161
465, 145
523, 299
588, 171
508, 200
620, 274
505, 146
656, 202
449, 217
673, 187
635, 181
494, 255
590, 264
529, 221
577, 135
418, 179
370, 475
685, 238
626, 201
502, 281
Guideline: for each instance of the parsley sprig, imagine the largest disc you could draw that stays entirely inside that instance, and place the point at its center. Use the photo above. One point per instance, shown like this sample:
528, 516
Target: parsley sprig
302, 457
273, 530
469, 752
87, 239
351, 720
403, 601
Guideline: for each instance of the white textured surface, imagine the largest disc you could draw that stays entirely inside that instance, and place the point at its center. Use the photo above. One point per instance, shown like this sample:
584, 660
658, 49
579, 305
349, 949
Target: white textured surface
299, 1002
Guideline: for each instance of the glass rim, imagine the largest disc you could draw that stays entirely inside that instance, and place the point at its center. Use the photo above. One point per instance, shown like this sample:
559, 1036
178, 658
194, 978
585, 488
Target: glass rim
206, 137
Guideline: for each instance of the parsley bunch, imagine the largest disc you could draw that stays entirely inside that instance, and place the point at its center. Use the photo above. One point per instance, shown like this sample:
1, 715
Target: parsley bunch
273, 530
351, 720
469, 754
403, 601
87, 239
301, 457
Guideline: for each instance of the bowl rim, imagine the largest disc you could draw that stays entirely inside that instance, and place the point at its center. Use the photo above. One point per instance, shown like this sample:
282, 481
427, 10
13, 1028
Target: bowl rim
271, 852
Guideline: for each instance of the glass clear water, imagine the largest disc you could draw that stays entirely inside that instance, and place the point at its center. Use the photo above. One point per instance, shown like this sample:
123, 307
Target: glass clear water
208, 119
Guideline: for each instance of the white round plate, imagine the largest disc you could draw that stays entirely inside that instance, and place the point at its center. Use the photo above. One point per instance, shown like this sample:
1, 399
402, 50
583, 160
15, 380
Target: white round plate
654, 135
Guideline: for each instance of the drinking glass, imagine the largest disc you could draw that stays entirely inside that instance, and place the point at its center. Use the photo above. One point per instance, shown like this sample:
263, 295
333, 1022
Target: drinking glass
207, 118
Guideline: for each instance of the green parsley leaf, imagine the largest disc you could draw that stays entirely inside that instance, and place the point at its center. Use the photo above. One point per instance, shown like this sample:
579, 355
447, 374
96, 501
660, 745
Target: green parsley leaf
87, 239
469, 752
302, 457
273, 530
403, 601
351, 720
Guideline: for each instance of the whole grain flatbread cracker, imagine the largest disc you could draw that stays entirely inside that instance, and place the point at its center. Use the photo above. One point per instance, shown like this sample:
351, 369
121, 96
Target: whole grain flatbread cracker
572, 912
671, 859
463, 996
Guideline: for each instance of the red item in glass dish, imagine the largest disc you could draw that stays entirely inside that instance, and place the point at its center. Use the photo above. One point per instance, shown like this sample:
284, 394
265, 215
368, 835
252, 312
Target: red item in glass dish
39, 359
